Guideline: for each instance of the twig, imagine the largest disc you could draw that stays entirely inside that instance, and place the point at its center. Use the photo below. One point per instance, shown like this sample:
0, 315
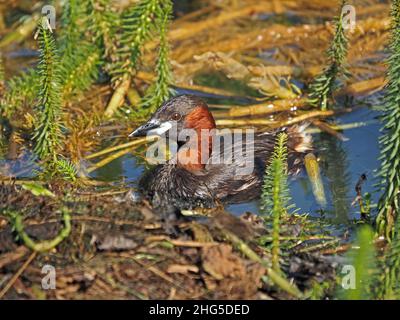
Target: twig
346, 126
109, 159
181, 243
318, 246
244, 122
158, 273
119, 147
301, 118
17, 275
266, 108
314, 114
328, 129
369, 86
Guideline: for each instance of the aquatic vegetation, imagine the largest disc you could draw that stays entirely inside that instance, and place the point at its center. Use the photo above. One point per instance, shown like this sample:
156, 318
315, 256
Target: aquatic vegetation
389, 173
20, 93
47, 133
160, 90
80, 58
324, 84
103, 23
275, 199
139, 22
66, 169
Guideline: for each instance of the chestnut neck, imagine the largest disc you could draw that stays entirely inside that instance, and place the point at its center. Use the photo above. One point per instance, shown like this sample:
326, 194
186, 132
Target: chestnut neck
202, 121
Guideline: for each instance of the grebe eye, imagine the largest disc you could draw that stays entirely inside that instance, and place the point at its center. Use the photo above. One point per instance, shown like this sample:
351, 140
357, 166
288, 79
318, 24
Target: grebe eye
176, 116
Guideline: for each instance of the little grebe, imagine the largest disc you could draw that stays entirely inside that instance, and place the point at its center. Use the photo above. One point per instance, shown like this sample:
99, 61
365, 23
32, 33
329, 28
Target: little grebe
196, 177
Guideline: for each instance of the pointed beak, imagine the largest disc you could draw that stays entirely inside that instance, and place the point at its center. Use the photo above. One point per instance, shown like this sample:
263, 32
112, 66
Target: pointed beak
143, 130
152, 127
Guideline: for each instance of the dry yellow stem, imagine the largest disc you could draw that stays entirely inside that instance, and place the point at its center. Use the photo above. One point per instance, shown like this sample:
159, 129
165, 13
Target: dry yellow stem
116, 148
366, 86
109, 159
18, 274
192, 29
307, 116
266, 108
118, 97
244, 122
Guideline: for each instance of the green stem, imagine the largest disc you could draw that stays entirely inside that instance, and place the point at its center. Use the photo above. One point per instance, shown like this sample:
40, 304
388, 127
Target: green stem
45, 245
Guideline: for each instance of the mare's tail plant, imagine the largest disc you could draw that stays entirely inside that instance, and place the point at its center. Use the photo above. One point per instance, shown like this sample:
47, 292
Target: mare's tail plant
47, 132
275, 199
389, 174
20, 93
160, 91
139, 23
80, 56
324, 84
103, 24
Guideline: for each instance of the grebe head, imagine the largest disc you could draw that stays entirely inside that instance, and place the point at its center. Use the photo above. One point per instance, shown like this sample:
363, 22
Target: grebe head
184, 111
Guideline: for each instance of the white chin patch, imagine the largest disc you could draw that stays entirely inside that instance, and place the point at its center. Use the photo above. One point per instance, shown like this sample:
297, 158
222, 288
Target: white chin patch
164, 127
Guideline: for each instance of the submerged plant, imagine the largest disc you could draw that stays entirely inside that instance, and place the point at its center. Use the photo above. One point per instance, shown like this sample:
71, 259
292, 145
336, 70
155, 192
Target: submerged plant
47, 133
160, 91
323, 85
275, 197
138, 24
20, 92
389, 174
103, 23
66, 169
80, 58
